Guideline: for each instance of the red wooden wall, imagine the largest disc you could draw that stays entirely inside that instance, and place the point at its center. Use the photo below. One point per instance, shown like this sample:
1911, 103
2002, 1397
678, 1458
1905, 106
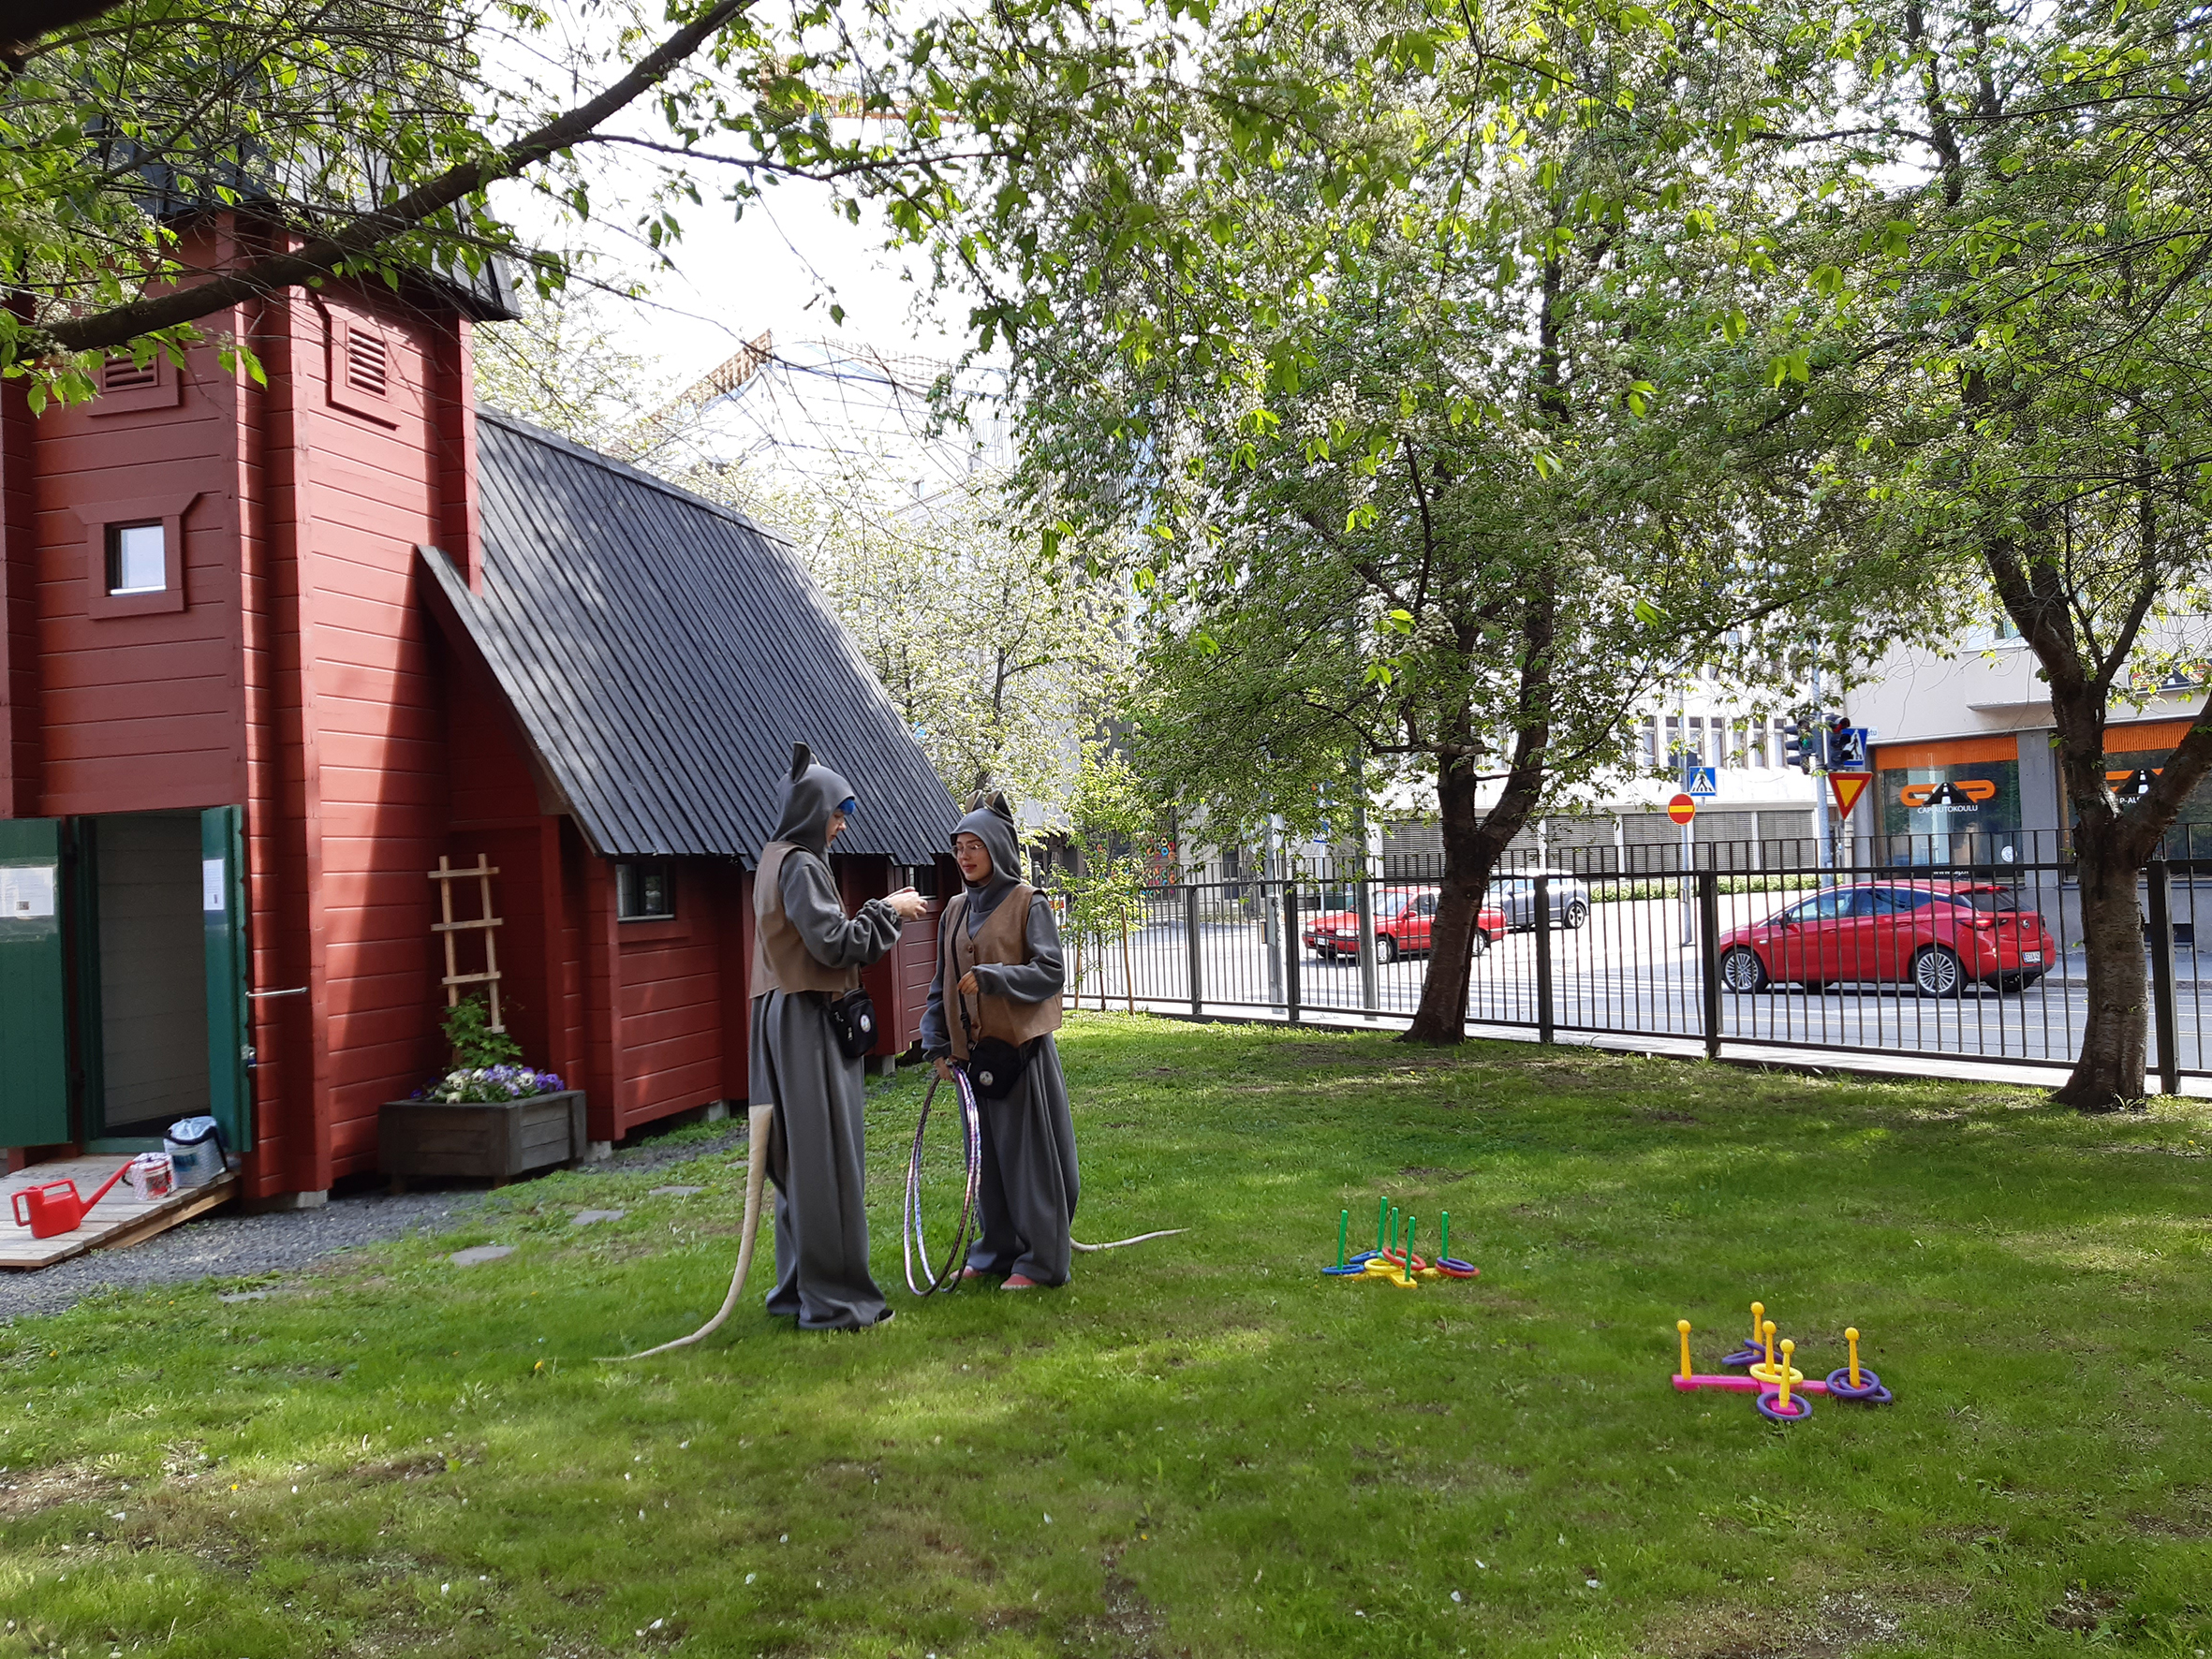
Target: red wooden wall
305, 676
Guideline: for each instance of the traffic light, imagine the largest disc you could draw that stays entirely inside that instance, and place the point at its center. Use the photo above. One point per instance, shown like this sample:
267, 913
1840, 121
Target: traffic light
1803, 745
1847, 744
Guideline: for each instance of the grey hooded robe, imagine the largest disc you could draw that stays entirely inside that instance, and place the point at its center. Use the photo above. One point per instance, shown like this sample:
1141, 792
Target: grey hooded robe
1030, 1181
818, 1159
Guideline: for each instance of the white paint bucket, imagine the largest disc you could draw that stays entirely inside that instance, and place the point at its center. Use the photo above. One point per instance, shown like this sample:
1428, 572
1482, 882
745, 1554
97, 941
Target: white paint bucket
151, 1175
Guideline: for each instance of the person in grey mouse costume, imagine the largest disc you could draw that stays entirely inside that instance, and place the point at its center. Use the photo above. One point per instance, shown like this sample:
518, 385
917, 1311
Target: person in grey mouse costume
807, 950
999, 949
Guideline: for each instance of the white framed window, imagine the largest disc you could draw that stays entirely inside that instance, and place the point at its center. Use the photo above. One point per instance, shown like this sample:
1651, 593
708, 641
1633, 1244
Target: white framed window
137, 558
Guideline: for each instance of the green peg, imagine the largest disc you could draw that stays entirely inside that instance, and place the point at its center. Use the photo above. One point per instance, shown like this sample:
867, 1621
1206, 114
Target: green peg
1381, 1218
1343, 1222
1397, 1229
1412, 1227
1444, 1250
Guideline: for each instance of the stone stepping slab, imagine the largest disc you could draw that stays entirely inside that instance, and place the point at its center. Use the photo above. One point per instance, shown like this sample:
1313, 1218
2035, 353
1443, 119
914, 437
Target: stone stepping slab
585, 1217
674, 1192
480, 1252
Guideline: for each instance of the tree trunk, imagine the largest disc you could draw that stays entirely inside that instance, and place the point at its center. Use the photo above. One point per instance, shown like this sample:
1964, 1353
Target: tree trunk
2108, 1076
1473, 843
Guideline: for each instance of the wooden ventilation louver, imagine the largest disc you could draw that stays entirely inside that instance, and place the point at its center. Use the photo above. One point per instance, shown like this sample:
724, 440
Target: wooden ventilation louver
119, 374
484, 923
368, 364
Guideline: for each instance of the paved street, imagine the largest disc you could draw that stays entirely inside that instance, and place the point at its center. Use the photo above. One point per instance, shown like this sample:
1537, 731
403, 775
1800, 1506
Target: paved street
1628, 970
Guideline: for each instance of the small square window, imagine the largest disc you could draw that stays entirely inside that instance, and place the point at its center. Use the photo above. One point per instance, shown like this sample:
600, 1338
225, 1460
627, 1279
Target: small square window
137, 558
644, 891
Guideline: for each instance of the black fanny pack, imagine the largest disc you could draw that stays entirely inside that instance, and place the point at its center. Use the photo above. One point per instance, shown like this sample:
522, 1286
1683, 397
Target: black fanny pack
995, 1066
853, 1022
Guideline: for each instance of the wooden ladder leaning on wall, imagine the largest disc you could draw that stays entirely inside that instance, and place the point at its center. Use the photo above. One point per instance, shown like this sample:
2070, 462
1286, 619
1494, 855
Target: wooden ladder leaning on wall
484, 922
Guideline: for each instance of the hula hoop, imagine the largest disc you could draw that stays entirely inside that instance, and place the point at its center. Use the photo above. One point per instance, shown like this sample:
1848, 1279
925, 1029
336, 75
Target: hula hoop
911, 1242
1770, 1407
1869, 1392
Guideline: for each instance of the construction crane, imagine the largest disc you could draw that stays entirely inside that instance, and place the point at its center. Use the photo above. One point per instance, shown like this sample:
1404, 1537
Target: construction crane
718, 382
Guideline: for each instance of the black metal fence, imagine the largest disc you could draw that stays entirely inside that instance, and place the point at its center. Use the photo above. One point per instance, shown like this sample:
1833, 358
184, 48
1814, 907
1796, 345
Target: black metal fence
1905, 954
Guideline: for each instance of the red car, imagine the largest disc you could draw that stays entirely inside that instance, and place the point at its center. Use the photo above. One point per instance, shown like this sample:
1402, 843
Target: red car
1403, 917
1936, 935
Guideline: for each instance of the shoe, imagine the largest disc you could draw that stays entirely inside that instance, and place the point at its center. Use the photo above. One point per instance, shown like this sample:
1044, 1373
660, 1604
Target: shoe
967, 1274
884, 1318
1019, 1282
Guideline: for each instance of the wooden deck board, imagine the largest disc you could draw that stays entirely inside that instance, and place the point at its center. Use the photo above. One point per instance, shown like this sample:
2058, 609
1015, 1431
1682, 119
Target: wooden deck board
118, 1219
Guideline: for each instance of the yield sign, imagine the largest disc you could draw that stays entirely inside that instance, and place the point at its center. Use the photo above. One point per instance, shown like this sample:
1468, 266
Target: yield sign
1848, 787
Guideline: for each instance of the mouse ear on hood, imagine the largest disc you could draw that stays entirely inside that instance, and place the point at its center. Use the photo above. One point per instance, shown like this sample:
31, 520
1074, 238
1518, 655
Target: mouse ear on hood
801, 758
995, 800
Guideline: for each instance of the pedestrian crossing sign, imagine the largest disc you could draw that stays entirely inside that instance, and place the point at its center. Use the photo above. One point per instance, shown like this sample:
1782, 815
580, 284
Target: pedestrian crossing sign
1703, 785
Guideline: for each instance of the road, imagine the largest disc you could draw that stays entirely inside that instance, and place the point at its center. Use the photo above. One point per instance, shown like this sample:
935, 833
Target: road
1627, 971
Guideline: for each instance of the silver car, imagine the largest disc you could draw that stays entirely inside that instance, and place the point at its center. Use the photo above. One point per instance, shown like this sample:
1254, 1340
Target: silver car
1515, 895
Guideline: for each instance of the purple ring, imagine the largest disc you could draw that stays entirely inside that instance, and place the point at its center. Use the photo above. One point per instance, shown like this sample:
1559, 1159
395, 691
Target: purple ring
1869, 1389
1742, 1357
1452, 1267
1769, 1405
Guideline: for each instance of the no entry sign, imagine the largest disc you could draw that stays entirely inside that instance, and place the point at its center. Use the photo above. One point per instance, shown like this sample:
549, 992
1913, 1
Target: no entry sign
1682, 809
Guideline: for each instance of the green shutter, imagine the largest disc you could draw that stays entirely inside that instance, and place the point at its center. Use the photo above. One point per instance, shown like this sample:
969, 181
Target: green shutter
222, 903
34, 1007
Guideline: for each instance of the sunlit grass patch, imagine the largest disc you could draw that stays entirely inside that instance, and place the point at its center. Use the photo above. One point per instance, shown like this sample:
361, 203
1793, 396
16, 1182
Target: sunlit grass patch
394, 1454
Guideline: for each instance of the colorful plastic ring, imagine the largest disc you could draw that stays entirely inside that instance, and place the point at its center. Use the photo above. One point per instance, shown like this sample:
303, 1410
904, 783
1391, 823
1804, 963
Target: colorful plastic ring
1349, 1270
1772, 1375
1869, 1389
1770, 1407
1744, 1357
1452, 1268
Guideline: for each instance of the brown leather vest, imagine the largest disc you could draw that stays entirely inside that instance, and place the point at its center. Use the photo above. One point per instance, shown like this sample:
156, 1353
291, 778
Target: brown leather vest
781, 961
1003, 939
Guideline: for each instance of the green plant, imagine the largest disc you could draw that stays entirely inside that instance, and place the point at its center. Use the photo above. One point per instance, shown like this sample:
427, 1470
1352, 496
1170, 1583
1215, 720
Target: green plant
470, 1035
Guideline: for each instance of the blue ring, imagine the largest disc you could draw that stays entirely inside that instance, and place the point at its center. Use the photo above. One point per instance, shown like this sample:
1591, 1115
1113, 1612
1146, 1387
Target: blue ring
1769, 1398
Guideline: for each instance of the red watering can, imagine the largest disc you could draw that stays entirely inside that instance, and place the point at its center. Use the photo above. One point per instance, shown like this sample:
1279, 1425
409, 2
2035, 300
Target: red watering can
55, 1208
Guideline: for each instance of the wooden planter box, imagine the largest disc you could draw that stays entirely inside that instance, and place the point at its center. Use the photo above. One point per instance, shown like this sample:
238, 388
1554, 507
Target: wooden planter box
493, 1141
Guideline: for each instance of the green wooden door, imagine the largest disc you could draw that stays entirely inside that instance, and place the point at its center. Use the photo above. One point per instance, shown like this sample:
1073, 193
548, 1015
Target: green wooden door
34, 1006
222, 905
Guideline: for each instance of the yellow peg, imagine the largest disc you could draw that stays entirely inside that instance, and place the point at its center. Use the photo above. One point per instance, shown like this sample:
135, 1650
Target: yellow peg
1767, 1331
1682, 1329
1758, 1313
1852, 1336
1788, 1348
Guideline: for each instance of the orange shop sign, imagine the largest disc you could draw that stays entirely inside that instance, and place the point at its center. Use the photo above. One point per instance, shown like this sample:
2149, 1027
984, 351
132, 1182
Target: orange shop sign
1967, 792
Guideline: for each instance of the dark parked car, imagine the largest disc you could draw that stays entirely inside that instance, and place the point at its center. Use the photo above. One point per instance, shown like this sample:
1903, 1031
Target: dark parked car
1936, 935
1403, 917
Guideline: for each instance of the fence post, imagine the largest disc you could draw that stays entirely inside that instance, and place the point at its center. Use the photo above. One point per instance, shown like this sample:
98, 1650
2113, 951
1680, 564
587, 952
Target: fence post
1709, 955
1291, 950
1191, 939
2160, 878
1541, 915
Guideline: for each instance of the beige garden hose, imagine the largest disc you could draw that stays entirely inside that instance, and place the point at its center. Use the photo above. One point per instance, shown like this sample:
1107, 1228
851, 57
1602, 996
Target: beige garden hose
763, 1126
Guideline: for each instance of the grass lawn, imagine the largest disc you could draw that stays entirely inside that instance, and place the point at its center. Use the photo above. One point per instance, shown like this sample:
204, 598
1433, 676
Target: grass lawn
1202, 1446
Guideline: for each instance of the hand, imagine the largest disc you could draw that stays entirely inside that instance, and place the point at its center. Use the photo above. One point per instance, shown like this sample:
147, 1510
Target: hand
967, 983
907, 904
944, 1070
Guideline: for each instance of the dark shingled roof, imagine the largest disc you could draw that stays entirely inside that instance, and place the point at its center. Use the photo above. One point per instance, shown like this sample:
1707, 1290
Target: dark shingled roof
663, 654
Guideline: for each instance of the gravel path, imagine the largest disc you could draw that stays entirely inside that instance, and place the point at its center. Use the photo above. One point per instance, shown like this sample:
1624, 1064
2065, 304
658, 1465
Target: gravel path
231, 1244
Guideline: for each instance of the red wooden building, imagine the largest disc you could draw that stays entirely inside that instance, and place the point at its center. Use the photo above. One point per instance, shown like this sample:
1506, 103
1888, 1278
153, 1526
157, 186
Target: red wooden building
267, 651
